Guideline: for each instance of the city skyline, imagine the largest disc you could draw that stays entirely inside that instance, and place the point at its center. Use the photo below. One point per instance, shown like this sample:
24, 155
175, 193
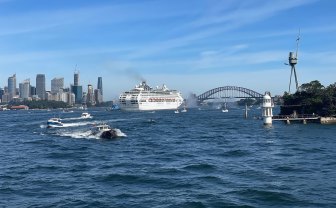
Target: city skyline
72, 94
191, 48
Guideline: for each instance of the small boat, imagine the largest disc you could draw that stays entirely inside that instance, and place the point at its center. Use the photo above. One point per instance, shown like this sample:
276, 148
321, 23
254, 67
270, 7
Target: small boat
86, 115
176, 111
104, 131
225, 110
184, 110
54, 122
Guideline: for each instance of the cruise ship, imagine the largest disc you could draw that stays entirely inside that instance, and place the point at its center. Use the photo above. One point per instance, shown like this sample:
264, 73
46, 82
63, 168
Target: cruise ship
143, 97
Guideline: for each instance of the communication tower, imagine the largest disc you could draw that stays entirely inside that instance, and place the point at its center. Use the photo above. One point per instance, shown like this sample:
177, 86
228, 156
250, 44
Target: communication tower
292, 61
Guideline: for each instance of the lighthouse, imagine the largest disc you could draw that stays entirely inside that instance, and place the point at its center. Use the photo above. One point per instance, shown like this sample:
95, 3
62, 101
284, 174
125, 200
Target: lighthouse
267, 109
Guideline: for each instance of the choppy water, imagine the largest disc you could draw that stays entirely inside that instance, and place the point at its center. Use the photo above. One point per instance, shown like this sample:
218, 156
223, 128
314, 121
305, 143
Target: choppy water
196, 159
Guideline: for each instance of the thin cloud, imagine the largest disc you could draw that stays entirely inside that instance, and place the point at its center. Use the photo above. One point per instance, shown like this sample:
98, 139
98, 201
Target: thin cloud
219, 25
34, 21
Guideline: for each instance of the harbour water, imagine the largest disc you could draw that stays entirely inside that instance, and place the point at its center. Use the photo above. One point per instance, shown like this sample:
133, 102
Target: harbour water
202, 158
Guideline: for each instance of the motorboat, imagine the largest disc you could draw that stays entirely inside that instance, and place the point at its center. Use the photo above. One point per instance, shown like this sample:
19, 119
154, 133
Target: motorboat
225, 110
184, 110
86, 115
54, 122
176, 111
104, 131
67, 111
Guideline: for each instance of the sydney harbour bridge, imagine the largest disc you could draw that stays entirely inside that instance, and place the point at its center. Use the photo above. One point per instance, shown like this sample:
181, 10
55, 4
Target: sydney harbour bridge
228, 92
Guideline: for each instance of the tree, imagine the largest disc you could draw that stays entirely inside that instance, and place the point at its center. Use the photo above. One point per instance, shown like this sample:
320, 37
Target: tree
312, 87
312, 98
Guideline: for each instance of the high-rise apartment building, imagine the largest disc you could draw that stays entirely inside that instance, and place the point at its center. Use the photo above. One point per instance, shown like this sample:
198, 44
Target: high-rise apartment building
2, 92
100, 85
98, 96
12, 86
24, 88
32, 91
57, 84
78, 91
40, 86
90, 95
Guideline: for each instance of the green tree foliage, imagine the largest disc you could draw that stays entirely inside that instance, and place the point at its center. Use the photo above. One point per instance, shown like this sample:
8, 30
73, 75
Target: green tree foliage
43, 104
104, 104
248, 101
312, 97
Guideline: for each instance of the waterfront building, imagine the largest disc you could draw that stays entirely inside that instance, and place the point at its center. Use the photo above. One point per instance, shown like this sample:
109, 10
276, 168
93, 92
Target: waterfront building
62, 96
12, 87
71, 98
2, 92
77, 89
48, 95
24, 89
5, 98
57, 84
100, 85
32, 91
40, 86
78, 92
84, 98
90, 95
35, 97
98, 96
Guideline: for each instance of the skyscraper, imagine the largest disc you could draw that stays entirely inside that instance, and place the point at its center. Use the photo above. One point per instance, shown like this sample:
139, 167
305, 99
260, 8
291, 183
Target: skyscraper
77, 89
24, 88
40, 86
32, 91
57, 84
98, 96
76, 78
90, 95
12, 86
100, 85
2, 92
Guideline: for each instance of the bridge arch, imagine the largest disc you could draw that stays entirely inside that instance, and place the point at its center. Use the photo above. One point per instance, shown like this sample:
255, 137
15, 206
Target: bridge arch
229, 92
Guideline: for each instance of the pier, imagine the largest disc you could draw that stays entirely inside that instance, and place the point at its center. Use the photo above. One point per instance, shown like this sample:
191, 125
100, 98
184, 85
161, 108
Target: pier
303, 118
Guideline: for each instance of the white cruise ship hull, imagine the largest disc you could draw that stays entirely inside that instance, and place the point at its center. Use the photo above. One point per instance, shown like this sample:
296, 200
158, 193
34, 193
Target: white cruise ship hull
151, 106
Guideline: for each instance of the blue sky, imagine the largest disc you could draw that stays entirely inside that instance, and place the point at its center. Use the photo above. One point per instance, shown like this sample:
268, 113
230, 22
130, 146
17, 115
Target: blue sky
191, 46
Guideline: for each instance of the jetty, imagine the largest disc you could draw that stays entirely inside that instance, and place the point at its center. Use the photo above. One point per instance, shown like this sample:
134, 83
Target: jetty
304, 118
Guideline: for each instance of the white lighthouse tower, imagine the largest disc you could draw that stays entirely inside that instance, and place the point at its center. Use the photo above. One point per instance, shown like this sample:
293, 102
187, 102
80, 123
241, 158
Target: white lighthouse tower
267, 109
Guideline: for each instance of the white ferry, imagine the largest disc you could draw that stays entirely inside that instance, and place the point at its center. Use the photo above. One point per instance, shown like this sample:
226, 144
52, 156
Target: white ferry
143, 97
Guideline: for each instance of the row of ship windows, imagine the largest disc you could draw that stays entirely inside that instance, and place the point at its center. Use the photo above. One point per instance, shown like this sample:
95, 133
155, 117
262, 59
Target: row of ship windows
160, 100
150, 100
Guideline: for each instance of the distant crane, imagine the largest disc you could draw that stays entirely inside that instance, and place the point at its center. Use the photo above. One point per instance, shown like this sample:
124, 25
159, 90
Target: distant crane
292, 61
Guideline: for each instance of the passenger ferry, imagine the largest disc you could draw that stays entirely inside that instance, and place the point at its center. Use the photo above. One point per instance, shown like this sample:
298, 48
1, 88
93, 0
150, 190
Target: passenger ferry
143, 97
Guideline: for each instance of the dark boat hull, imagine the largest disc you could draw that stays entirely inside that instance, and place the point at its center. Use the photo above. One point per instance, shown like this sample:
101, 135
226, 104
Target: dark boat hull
110, 134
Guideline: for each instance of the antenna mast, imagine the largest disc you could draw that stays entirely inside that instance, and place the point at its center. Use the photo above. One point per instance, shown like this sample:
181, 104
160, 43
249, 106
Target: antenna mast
292, 60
